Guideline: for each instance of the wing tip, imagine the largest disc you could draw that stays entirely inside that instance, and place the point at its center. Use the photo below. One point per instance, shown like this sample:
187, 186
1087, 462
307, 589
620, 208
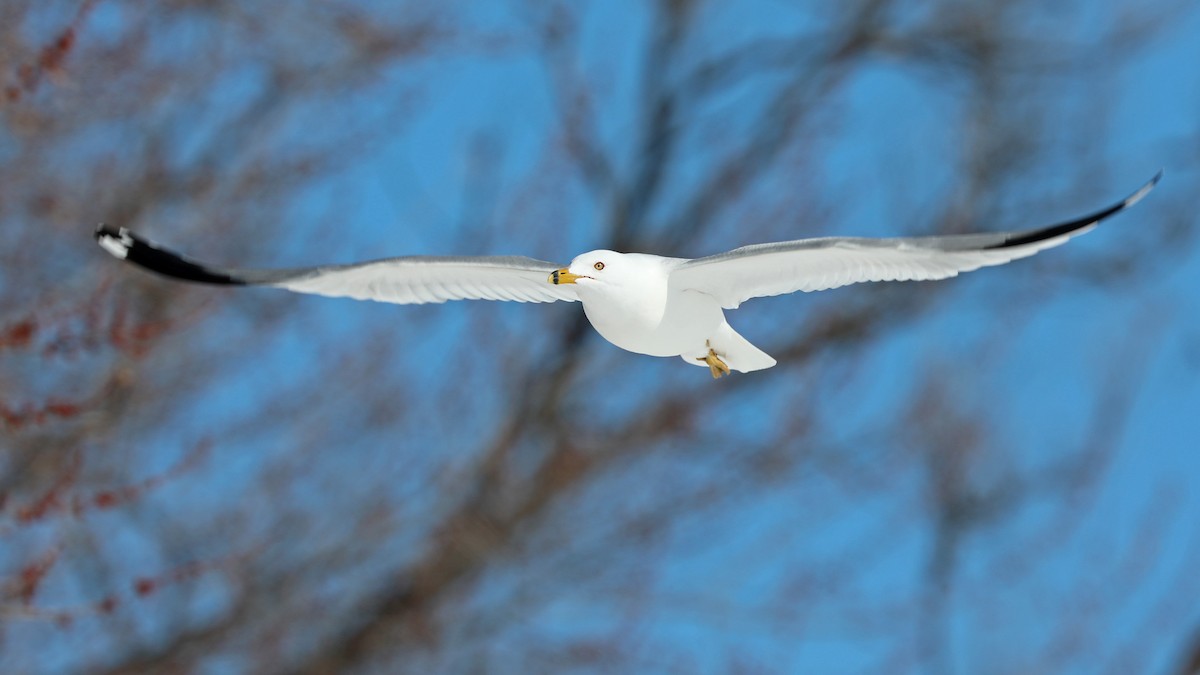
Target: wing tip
122, 243
1144, 190
1079, 225
114, 240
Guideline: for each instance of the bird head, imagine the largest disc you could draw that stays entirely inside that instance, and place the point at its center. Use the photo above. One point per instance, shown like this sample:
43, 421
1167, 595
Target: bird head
594, 268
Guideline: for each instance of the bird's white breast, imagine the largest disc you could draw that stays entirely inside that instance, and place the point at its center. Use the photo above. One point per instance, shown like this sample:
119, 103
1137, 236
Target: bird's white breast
646, 316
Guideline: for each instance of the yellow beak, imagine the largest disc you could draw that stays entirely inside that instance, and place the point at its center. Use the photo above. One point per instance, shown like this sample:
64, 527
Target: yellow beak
563, 276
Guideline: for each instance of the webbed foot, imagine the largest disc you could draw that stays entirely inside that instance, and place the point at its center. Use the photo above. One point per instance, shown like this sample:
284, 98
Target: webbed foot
715, 365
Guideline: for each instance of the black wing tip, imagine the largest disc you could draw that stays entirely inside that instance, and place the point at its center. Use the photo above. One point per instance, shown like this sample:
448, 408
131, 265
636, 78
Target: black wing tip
1144, 190
1023, 238
116, 240
121, 243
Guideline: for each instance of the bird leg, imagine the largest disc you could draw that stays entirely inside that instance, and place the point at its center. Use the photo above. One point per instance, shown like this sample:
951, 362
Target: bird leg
715, 365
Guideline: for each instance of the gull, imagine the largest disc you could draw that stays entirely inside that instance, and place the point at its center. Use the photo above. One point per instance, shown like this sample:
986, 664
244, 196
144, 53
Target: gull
642, 303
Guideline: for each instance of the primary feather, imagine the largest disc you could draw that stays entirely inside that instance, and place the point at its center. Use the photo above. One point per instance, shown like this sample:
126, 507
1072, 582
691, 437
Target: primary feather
406, 281
828, 262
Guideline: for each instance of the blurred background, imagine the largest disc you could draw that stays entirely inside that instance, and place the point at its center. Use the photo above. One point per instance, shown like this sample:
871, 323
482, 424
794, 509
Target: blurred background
991, 474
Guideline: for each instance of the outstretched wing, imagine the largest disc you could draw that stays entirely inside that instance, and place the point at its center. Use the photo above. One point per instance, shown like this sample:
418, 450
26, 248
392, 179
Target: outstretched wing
405, 281
828, 262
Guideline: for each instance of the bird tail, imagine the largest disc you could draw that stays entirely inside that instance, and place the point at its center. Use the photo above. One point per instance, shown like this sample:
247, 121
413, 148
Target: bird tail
737, 352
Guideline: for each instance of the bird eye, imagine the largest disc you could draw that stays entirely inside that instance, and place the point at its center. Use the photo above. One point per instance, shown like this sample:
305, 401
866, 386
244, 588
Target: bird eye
599, 266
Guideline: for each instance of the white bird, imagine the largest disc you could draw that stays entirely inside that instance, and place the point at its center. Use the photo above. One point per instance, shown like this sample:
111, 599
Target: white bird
641, 303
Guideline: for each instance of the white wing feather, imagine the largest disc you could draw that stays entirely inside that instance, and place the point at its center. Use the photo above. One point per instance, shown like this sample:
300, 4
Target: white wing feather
829, 262
411, 280
408, 281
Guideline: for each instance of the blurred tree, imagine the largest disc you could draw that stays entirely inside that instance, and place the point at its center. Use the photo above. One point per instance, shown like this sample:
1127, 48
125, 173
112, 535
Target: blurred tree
201, 480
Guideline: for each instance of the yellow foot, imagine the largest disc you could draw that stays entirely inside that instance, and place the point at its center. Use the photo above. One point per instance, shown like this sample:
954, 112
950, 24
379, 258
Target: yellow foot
715, 365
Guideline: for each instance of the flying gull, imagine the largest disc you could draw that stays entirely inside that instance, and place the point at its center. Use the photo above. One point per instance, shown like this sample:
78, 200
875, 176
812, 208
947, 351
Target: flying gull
641, 303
